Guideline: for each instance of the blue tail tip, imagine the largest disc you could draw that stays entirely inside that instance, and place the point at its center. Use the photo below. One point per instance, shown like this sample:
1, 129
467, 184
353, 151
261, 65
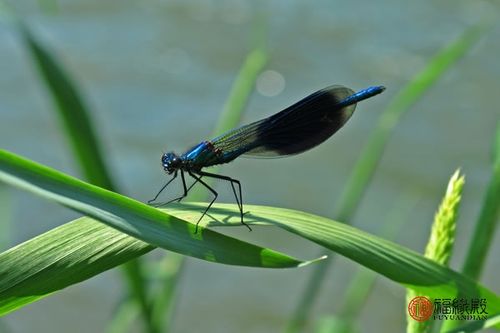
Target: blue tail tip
377, 89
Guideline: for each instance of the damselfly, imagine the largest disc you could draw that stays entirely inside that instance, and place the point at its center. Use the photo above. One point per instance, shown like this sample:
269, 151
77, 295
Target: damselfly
294, 130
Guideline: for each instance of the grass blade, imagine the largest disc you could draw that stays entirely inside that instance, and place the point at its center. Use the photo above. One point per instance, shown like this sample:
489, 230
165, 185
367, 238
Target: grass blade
401, 103
393, 261
135, 218
61, 257
5, 217
488, 219
71, 110
477, 325
372, 153
81, 133
485, 227
163, 306
125, 214
123, 317
362, 282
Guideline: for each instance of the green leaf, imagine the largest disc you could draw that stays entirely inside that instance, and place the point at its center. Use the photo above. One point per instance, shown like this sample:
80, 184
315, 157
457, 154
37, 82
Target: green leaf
5, 217
46, 255
77, 122
123, 317
488, 219
71, 110
400, 104
169, 268
395, 262
371, 155
361, 284
61, 257
477, 325
485, 226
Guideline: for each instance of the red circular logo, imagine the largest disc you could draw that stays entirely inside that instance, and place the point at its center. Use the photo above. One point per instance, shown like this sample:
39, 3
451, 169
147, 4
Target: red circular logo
420, 308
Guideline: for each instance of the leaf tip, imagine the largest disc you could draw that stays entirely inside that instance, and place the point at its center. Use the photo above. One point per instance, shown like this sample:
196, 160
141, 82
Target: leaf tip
305, 263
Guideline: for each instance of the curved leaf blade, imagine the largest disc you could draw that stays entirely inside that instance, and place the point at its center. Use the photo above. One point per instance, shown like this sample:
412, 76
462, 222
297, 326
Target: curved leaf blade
61, 257
83, 248
394, 261
135, 218
76, 120
72, 111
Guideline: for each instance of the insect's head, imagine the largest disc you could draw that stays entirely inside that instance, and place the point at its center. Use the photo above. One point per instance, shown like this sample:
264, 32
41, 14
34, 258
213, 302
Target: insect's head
170, 162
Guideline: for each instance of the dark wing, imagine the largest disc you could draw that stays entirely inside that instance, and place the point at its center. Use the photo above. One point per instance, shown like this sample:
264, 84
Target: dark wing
296, 129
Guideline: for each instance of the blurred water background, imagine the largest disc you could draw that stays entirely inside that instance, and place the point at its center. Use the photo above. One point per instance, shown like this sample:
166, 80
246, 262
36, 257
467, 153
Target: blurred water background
156, 74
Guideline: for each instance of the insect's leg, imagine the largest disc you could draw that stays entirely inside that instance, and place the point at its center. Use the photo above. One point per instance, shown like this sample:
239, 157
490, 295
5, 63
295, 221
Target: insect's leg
164, 187
189, 188
231, 180
186, 190
211, 202
241, 201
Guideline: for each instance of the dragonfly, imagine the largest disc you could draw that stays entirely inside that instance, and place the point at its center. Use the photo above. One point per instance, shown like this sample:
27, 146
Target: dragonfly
294, 130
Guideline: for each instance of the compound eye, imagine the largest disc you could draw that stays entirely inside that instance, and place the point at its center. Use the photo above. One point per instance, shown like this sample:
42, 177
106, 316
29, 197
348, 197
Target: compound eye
164, 158
164, 162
